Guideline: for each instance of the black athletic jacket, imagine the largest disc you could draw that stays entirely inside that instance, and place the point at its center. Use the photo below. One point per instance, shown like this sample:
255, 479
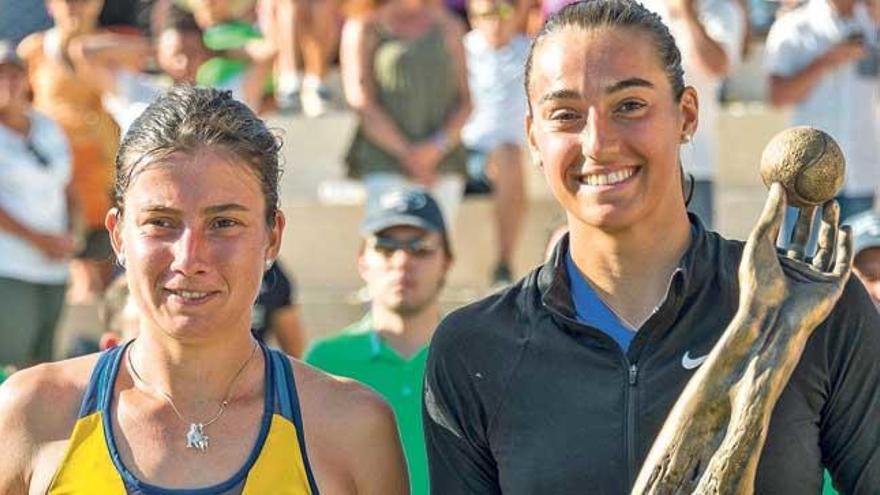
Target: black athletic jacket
520, 398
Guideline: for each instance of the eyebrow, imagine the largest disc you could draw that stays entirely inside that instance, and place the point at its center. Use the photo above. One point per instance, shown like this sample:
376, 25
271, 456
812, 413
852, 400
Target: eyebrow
210, 210
570, 94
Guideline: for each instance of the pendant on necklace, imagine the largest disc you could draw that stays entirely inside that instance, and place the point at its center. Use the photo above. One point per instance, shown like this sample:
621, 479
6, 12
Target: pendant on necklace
196, 438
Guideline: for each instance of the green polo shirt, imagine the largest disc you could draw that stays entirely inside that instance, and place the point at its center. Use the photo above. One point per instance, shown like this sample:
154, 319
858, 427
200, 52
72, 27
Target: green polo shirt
359, 352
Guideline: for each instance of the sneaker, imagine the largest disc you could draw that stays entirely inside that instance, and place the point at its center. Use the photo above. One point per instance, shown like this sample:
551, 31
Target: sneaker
315, 101
289, 102
502, 276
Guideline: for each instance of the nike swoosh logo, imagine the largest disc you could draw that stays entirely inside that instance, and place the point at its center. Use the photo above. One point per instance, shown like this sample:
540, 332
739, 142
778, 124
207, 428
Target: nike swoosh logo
689, 363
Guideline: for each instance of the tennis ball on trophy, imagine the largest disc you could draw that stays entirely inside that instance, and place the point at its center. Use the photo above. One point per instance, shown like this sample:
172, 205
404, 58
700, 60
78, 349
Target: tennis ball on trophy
808, 163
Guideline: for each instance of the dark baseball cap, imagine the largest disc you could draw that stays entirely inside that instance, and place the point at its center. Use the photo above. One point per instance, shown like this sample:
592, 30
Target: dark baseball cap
865, 230
413, 207
8, 54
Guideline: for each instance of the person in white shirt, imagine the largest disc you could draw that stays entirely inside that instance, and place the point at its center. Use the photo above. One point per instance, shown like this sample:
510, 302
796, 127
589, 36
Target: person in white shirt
821, 60
710, 35
35, 239
495, 53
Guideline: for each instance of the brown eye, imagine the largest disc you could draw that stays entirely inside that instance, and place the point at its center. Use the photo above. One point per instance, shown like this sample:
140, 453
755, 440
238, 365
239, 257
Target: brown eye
224, 223
160, 222
563, 115
630, 106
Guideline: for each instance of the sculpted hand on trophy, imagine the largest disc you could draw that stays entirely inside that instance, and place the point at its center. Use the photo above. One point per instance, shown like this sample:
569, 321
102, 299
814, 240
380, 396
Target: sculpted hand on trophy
804, 167
713, 437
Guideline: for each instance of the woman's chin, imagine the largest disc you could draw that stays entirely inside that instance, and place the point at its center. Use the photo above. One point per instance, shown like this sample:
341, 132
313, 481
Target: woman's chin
609, 217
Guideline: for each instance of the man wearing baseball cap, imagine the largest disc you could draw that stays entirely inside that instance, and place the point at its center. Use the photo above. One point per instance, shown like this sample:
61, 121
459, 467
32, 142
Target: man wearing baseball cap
866, 245
404, 258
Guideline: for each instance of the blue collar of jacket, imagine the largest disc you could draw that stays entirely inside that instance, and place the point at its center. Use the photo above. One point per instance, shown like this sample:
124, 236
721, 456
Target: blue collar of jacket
694, 267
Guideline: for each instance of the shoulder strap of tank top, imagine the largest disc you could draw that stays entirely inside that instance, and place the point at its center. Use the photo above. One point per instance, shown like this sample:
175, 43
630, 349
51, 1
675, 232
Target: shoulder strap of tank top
98, 386
288, 404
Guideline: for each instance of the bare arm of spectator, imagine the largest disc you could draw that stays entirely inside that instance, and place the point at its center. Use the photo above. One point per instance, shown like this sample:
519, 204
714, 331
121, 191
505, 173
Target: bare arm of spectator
287, 326
51, 245
100, 57
708, 48
454, 31
261, 54
356, 52
792, 89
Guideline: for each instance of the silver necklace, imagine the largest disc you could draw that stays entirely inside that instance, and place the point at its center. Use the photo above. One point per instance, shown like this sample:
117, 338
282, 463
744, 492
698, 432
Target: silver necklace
195, 436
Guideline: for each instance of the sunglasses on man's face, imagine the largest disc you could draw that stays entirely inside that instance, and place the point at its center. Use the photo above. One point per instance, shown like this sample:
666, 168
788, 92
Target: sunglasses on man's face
419, 247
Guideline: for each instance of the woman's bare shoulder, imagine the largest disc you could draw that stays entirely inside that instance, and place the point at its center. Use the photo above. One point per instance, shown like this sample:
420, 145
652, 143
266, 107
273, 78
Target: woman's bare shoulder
38, 409
343, 419
43, 401
339, 398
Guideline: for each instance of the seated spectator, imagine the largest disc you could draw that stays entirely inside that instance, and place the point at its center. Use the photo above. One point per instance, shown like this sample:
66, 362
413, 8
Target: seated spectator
866, 245
496, 53
119, 315
404, 74
74, 101
35, 238
276, 313
404, 259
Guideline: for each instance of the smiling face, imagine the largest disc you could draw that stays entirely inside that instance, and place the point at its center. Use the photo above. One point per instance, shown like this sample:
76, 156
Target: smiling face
195, 240
400, 281
606, 127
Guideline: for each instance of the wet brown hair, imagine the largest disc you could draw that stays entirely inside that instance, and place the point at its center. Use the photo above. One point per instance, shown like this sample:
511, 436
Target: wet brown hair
592, 14
186, 119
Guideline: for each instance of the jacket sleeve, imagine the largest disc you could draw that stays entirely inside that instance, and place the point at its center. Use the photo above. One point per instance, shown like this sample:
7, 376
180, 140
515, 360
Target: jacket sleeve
460, 460
850, 425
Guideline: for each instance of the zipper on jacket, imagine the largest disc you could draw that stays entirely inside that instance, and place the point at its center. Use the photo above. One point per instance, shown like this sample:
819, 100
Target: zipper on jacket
633, 374
630, 427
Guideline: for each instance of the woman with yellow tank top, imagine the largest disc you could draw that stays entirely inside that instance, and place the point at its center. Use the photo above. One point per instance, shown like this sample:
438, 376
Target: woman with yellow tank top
195, 405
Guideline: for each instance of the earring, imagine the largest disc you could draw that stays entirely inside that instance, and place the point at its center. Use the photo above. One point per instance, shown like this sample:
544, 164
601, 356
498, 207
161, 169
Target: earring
269, 262
120, 259
686, 138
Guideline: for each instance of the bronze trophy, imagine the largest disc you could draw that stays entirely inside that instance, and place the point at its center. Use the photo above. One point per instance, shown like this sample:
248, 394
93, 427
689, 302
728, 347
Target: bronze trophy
713, 437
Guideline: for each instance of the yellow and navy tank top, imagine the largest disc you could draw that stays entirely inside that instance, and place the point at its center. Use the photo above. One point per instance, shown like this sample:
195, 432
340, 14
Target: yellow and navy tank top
278, 464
